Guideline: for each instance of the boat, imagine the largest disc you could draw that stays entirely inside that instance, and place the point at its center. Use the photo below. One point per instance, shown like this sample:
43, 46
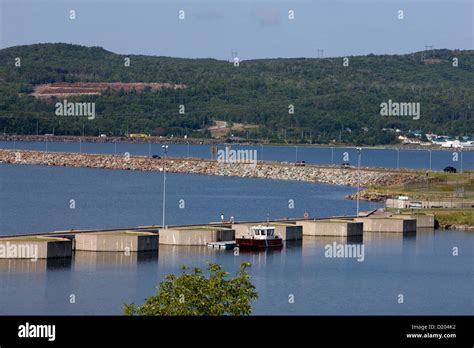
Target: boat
260, 237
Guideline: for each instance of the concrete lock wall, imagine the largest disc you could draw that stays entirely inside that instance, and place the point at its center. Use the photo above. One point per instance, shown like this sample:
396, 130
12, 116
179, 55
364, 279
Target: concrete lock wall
241, 230
285, 231
36, 247
388, 224
60, 248
331, 227
195, 236
117, 241
293, 232
422, 220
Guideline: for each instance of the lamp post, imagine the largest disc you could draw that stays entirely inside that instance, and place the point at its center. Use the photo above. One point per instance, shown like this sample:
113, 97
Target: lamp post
165, 150
430, 158
359, 153
398, 158
187, 145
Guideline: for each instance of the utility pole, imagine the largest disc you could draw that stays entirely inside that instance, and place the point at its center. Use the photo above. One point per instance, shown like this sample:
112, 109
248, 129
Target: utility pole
398, 158
359, 153
430, 158
165, 150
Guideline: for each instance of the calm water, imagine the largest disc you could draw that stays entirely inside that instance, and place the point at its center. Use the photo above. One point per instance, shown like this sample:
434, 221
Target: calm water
416, 159
421, 267
36, 198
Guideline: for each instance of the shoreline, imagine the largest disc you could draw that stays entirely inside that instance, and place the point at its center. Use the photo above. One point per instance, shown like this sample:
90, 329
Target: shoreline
207, 141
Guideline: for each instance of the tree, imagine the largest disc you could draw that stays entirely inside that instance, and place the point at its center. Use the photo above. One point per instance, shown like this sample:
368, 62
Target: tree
194, 294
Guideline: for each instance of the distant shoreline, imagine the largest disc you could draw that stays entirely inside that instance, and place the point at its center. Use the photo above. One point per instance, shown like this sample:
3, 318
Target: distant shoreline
206, 141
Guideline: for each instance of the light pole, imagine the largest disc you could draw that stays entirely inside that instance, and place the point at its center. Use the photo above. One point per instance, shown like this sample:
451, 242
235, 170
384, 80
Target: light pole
359, 153
165, 150
149, 148
296, 154
332, 155
262, 151
430, 158
187, 143
398, 158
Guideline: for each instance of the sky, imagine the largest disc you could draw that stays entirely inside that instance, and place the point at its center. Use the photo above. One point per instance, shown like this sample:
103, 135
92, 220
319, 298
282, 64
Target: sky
251, 28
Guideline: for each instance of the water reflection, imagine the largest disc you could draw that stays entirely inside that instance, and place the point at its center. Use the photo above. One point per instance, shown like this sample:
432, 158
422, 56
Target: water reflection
389, 242
40, 265
425, 239
92, 259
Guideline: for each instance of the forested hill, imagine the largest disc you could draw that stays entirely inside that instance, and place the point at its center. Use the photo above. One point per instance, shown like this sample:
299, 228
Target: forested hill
331, 101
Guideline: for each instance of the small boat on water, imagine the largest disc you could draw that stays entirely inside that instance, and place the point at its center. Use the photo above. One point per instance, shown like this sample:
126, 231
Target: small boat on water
260, 237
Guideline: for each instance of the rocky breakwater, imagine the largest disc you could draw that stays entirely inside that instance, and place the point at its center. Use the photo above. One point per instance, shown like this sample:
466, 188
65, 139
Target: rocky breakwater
267, 170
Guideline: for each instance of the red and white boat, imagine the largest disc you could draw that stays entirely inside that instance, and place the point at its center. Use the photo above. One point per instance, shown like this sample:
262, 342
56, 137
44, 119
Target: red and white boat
260, 237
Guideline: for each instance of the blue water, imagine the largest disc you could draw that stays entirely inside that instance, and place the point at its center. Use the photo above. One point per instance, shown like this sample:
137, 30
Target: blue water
37, 198
420, 267
415, 159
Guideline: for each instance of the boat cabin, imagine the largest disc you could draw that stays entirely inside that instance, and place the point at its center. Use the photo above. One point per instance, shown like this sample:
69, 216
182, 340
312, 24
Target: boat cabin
262, 232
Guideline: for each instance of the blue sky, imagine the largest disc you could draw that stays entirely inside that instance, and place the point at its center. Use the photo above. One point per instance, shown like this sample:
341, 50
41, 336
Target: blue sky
253, 29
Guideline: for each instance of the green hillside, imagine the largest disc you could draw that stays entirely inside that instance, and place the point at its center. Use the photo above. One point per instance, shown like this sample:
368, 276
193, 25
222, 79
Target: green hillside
331, 102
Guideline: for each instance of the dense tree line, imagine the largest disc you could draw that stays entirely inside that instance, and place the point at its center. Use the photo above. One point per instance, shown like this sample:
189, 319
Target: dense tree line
331, 102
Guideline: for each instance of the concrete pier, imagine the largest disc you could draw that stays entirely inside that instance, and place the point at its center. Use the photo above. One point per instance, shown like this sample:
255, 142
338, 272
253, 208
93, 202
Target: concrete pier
196, 235
330, 227
285, 230
390, 224
35, 247
422, 220
131, 241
